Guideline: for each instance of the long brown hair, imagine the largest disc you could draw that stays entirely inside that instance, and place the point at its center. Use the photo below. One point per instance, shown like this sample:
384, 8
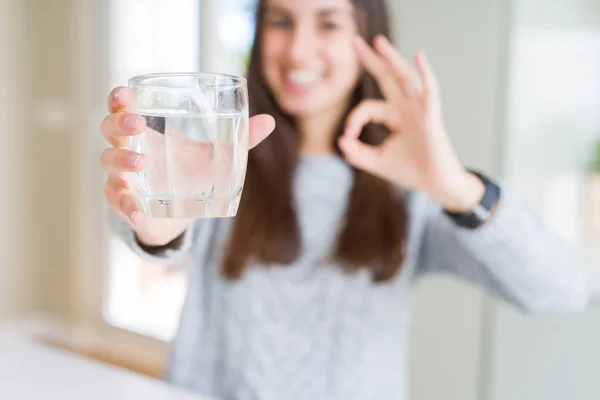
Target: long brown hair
266, 228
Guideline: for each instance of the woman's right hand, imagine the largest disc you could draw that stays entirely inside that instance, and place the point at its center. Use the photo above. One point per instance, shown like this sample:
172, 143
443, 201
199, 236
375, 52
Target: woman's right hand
117, 127
118, 160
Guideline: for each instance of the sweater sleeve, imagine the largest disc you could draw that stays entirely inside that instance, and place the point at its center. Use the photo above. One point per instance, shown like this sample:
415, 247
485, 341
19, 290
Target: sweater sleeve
513, 256
173, 253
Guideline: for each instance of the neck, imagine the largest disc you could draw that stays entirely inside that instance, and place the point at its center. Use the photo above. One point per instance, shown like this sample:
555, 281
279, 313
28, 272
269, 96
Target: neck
317, 131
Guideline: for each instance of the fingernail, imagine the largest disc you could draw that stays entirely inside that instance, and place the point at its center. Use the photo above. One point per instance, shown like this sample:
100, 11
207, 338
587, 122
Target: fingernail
359, 41
117, 93
132, 121
348, 132
132, 160
135, 217
344, 141
383, 44
353, 131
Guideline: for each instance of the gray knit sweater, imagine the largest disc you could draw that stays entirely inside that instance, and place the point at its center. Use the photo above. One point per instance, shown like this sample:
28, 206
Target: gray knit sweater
310, 331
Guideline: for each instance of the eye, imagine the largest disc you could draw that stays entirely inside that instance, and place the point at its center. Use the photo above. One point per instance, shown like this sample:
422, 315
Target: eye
279, 23
329, 26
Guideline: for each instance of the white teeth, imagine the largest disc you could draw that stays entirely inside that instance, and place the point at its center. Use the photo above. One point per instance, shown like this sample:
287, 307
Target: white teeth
302, 77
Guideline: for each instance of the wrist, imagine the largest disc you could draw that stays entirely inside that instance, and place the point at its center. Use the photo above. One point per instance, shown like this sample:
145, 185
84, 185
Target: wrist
162, 235
462, 194
151, 240
174, 244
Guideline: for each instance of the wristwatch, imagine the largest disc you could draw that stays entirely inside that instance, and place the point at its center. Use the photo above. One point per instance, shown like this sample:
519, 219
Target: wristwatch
482, 212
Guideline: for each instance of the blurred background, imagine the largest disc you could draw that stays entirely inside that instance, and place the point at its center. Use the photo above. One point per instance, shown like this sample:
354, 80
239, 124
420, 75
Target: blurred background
521, 89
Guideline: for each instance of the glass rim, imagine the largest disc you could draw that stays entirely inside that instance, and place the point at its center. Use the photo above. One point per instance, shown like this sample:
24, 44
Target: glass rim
138, 80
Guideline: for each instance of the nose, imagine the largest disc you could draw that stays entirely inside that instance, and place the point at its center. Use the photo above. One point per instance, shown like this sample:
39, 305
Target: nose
303, 43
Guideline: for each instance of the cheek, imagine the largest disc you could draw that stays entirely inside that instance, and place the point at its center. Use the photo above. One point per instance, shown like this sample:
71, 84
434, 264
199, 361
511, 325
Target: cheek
345, 65
272, 52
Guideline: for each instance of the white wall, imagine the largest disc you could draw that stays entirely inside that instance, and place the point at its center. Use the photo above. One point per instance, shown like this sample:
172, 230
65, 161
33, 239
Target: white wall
52, 113
40, 88
466, 42
14, 268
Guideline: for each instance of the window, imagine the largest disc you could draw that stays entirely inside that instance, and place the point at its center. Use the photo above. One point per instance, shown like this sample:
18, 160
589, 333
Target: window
236, 31
148, 36
554, 106
153, 36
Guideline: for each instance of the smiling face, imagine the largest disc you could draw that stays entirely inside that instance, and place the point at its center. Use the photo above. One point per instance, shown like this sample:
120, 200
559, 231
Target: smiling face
308, 56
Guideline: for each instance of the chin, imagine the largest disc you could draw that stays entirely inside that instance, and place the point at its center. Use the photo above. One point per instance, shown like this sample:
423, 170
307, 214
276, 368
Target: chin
301, 108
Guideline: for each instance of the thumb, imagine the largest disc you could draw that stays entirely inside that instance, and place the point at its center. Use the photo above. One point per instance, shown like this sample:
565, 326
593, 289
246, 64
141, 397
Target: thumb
261, 126
359, 154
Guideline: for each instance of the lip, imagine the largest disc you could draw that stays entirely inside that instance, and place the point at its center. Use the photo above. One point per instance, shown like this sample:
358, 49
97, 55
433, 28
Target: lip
299, 89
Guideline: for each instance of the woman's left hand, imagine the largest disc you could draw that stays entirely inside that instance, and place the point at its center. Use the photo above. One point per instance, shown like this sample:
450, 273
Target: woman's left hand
418, 154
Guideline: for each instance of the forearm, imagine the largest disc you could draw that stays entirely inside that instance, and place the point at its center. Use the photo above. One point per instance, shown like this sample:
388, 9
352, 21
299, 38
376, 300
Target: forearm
513, 256
528, 263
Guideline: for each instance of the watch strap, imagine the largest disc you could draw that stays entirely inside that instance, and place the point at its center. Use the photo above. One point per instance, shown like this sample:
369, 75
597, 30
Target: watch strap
482, 212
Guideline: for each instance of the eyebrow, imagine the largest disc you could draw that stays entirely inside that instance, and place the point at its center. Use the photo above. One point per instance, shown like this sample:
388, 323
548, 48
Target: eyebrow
331, 11
322, 13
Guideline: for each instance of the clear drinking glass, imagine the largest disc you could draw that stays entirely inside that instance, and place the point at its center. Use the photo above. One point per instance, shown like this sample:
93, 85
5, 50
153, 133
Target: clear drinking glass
196, 143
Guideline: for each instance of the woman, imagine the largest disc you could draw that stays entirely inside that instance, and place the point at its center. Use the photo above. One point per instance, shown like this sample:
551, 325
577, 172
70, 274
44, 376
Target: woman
355, 196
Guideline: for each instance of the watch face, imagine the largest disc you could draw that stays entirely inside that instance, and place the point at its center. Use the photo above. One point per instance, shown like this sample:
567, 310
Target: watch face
481, 212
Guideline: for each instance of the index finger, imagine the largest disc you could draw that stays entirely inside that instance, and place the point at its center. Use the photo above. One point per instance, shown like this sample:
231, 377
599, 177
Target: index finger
119, 99
378, 68
400, 67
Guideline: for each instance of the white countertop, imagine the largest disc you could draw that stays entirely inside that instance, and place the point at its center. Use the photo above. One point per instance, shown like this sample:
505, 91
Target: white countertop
30, 370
